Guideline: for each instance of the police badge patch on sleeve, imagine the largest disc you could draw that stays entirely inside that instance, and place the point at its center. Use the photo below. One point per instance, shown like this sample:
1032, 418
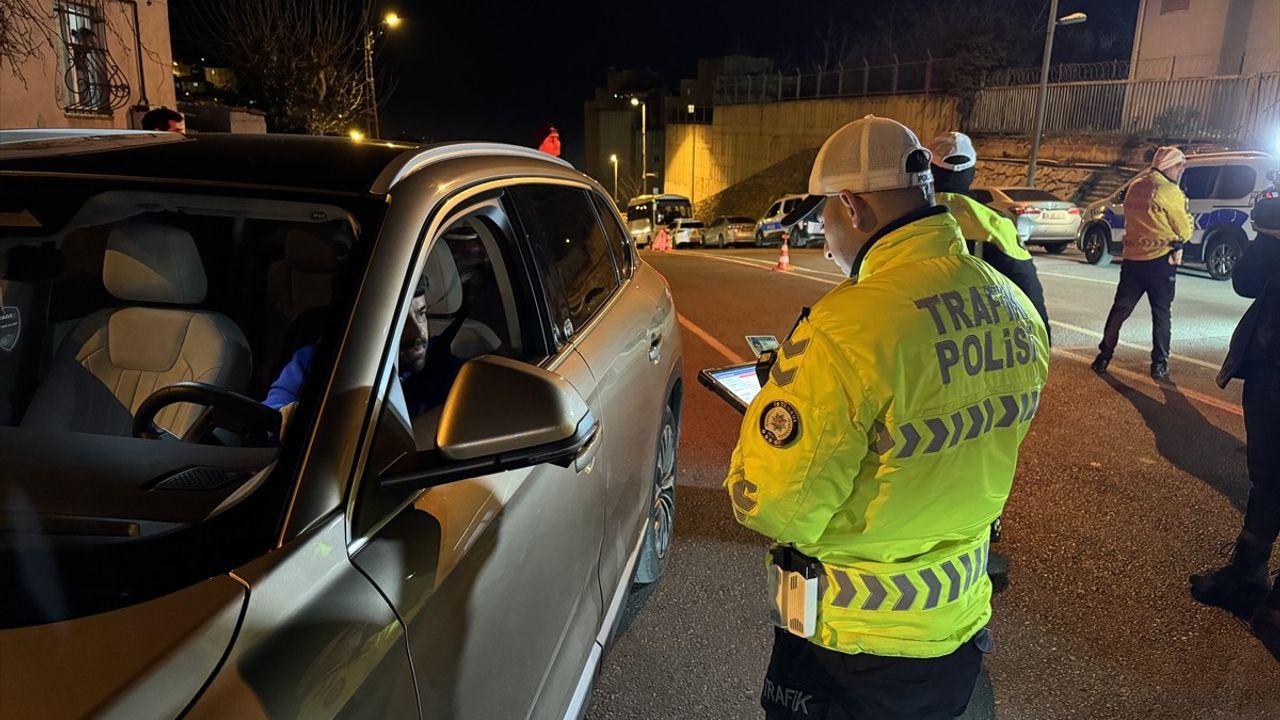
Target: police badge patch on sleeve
10, 328
779, 423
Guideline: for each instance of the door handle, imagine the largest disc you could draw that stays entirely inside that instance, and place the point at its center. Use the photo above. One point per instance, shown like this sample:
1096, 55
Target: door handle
587, 455
655, 346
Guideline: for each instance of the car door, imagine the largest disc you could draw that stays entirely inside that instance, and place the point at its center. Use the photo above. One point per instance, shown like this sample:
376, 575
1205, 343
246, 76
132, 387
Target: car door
494, 577
624, 349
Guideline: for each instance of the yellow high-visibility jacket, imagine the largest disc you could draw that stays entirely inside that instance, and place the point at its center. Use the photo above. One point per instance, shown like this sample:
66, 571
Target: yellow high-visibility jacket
980, 223
1155, 215
885, 442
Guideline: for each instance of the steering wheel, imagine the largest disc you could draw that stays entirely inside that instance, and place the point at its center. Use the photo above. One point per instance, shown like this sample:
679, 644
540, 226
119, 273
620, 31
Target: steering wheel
249, 419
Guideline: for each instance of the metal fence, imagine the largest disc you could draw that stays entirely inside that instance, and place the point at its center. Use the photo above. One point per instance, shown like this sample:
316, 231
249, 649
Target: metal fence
842, 81
1236, 108
1069, 72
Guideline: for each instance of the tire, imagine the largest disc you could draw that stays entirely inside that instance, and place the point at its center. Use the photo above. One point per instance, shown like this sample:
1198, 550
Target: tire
1221, 256
660, 530
1055, 248
759, 239
1096, 246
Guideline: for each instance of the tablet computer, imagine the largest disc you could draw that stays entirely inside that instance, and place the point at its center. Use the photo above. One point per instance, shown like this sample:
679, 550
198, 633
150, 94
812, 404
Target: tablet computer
736, 384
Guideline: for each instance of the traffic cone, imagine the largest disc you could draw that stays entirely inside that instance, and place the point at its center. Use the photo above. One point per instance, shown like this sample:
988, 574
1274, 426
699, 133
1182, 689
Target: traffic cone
784, 260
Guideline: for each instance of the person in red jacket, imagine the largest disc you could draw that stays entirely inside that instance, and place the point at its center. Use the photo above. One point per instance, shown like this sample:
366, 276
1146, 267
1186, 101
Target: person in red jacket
551, 143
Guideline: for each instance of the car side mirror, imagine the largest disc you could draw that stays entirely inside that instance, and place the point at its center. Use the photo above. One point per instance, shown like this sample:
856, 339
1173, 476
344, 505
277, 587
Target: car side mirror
501, 414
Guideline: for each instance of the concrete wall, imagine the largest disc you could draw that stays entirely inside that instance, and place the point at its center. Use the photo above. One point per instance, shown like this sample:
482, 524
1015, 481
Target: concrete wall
1208, 38
745, 139
33, 100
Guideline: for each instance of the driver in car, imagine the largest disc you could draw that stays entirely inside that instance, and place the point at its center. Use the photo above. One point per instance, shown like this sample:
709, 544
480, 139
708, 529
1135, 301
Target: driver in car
424, 388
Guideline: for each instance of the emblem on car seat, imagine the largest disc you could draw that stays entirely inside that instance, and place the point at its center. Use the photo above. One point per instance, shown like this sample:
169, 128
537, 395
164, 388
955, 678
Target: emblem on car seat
10, 328
779, 423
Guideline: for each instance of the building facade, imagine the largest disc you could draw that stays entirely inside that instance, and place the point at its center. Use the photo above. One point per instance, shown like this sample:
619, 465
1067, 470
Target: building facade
1205, 38
91, 69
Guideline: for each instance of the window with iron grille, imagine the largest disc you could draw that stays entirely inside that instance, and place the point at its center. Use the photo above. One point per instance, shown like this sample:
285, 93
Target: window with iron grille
1168, 6
89, 69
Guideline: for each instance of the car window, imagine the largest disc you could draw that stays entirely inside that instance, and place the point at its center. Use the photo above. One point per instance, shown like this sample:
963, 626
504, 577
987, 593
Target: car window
1198, 182
470, 299
982, 196
739, 220
1236, 182
561, 227
619, 239
788, 206
1031, 195
773, 210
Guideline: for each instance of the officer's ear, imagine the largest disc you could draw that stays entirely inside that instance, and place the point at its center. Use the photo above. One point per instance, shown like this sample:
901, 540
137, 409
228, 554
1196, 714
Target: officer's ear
859, 210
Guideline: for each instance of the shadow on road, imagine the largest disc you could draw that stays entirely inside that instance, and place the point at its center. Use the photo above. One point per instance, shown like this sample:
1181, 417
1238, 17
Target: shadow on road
1190, 441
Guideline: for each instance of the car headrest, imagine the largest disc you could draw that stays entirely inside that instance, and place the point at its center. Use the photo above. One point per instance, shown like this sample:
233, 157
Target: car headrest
444, 285
313, 251
154, 263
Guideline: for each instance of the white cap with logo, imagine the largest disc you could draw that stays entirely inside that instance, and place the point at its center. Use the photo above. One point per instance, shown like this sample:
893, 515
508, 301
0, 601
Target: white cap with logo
867, 155
953, 151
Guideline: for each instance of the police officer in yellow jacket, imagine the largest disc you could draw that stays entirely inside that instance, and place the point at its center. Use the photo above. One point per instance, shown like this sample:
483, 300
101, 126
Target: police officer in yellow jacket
883, 446
1157, 224
990, 235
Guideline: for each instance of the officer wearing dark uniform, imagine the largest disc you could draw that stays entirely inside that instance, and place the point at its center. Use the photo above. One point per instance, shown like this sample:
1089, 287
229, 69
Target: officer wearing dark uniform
1242, 585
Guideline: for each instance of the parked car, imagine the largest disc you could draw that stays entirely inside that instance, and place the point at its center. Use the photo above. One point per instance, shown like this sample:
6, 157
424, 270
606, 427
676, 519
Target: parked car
686, 231
769, 227
1050, 221
1221, 189
729, 230
373, 549
810, 231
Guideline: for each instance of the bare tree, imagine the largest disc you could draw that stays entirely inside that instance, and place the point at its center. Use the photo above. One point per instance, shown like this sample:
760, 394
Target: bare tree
302, 60
25, 29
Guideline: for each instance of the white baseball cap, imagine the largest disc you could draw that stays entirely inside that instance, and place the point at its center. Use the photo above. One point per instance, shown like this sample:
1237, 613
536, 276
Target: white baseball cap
867, 155
953, 151
1167, 157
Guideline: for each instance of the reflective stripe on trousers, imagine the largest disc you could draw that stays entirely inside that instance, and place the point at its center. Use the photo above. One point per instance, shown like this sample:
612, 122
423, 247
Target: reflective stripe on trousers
923, 589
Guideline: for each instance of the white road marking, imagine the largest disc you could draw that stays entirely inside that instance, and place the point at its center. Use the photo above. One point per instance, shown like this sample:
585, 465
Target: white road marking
1185, 392
1098, 335
1077, 277
710, 340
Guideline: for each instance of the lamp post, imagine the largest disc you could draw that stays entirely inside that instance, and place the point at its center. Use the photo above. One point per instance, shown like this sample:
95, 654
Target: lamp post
614, 159
1043, 100
390, 21
644, 142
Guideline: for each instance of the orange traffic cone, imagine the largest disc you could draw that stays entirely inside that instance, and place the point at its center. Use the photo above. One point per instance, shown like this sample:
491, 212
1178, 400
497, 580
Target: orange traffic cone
784, 260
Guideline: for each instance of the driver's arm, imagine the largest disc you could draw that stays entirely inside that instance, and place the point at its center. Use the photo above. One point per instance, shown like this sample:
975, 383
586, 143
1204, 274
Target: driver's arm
288, 386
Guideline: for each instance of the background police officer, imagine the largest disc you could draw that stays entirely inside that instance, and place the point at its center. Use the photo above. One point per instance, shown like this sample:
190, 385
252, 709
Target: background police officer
1156, 224
1242, 585
883, 446
990, 235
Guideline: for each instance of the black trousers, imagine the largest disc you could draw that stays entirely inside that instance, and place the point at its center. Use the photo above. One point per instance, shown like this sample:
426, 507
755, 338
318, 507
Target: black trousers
1155, 279
806, 681
1262, 434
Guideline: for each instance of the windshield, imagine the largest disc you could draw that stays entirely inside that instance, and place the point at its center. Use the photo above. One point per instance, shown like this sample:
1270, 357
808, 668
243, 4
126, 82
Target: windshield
109, 299
1031, 195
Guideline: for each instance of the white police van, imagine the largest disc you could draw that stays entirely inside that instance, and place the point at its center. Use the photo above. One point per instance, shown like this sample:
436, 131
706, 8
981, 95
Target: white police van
1221, 188
769, 227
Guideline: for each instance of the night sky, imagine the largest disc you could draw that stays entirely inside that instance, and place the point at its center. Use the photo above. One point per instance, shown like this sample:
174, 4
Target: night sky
469, 69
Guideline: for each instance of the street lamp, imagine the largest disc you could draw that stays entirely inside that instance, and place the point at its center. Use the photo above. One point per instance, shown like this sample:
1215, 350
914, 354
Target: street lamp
614, 159
644, 140
390, 21
1043, 102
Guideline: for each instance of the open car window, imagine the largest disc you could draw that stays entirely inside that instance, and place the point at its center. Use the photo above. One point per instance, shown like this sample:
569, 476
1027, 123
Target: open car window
169, 347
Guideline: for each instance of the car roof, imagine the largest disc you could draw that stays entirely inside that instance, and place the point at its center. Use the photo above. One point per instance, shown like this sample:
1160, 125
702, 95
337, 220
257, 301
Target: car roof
1215, 158
327, 164
647, 198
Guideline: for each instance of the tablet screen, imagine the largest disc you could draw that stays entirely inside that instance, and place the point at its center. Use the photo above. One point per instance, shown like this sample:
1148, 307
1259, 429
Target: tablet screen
739, 381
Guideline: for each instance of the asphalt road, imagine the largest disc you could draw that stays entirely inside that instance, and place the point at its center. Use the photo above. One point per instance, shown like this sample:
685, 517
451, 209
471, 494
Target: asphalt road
1124, 488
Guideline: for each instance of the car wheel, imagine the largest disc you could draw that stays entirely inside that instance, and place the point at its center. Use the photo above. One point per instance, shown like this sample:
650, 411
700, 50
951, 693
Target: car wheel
1096, 249
661, 528
1055, 248
1221, 257
759, 239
